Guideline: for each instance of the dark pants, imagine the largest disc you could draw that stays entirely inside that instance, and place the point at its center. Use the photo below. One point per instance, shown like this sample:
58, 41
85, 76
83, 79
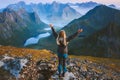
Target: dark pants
62, 62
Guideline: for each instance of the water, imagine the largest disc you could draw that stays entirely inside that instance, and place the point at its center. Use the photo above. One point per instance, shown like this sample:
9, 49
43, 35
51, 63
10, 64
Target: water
47, 29
34, 40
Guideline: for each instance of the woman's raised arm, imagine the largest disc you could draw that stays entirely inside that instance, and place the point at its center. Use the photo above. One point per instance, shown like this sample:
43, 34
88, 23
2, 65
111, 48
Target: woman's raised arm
74, 35
53, 30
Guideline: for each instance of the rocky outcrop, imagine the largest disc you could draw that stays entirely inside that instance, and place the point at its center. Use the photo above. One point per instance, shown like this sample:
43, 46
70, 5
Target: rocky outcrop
25, 68
9, 22
44, 69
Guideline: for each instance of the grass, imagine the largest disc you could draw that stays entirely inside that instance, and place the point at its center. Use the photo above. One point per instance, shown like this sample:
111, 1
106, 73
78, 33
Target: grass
22, 52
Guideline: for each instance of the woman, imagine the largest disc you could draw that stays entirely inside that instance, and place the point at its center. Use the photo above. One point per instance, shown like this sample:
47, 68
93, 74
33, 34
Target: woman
62, 42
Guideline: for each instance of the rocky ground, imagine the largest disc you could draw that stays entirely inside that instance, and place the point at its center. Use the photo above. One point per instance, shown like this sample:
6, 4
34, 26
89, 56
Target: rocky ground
47, 70
79, 68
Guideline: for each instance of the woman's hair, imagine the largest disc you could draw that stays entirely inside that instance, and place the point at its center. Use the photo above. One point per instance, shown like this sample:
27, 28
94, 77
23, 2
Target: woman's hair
61, 39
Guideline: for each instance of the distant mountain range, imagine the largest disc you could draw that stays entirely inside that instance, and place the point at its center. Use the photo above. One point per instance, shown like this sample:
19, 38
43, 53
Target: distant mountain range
100, 37
57, 13
17, 26
83, 8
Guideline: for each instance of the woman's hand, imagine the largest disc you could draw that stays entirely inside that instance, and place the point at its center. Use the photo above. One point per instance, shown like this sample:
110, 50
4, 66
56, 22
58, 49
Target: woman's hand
51, 25
80, 30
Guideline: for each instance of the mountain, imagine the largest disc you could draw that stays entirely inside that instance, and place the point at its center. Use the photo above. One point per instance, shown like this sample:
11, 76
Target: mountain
1, 9
17, 26
101, 27
96, 19
29, 64
20, 5
87, 4
84, 7
60, 14
114, 6
57, 13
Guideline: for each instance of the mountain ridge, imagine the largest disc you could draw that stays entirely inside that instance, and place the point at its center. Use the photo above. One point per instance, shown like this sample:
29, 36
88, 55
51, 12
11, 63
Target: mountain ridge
49, 13
18, 26
98, 20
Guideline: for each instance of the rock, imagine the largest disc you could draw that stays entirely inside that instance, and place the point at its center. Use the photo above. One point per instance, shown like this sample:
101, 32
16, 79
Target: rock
46, 67
1, 63
5, 75
69, 76
14, 65
83, 68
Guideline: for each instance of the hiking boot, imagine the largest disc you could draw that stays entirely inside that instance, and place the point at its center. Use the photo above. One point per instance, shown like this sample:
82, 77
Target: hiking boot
63, 74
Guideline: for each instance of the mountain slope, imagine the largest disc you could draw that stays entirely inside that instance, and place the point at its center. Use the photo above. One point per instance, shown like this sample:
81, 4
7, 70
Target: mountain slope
103, 43
101, 20
96, 24
16, 27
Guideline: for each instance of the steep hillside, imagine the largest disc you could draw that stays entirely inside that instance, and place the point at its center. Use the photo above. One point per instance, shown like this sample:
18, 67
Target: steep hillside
100, 25
96, 19
105, 42
29, 64
16, 27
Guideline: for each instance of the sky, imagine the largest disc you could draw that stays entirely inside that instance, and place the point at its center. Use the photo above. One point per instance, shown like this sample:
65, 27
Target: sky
4, 3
